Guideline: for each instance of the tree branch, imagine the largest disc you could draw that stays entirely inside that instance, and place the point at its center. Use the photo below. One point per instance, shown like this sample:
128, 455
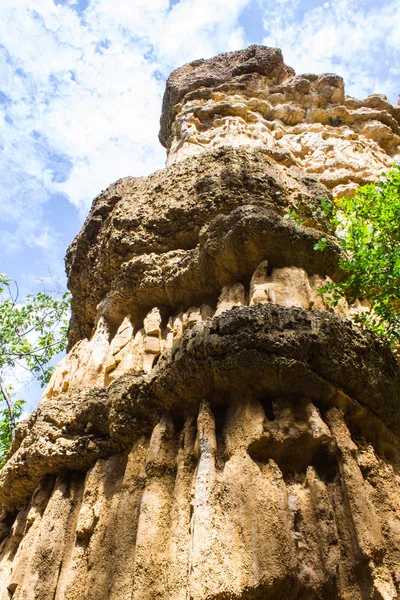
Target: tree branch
9, 405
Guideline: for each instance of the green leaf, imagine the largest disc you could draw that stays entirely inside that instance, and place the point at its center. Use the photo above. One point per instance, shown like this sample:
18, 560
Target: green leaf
321, 244
368, 227
32, 332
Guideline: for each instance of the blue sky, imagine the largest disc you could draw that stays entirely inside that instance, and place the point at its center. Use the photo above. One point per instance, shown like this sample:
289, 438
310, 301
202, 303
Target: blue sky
81, 85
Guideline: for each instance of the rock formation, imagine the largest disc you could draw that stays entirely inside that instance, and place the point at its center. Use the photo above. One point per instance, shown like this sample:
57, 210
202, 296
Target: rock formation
216, 432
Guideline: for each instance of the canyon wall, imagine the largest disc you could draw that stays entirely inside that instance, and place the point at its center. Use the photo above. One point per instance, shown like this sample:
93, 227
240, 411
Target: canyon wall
216, 431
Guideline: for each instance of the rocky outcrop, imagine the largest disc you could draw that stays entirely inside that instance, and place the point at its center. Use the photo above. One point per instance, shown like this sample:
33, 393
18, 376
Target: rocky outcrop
216, 431
252, 99
143, 236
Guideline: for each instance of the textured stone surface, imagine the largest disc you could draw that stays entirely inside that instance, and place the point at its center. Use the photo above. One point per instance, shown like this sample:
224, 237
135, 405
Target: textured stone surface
104, 358
144, 235
252, 99
253, 493
219, 71
261, 349
216, 432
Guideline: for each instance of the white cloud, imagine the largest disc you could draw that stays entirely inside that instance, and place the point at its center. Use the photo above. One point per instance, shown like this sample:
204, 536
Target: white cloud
80, 92
91, 87
354, 38
83, 91
80, 105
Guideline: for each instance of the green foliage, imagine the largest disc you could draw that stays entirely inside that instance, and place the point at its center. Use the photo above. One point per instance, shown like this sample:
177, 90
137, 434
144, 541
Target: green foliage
5, 426
32, 332
294, 214
368, 226
321, 244
301, 213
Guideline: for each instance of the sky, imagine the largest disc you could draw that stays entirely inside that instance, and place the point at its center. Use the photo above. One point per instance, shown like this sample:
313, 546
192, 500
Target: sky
81, 85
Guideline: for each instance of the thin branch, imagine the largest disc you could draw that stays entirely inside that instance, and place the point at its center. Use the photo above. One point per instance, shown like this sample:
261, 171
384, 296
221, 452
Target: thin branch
35, 353
22, 367
17, 295
41, 322
25, 385
39, 365
10, 407
12, 298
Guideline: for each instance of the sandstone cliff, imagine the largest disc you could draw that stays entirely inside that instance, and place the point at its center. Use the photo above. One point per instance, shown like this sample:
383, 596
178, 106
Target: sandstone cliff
215, 431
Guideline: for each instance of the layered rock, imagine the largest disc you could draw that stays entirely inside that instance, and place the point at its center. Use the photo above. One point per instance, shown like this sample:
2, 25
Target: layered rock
252, 99
216, 431
164, 240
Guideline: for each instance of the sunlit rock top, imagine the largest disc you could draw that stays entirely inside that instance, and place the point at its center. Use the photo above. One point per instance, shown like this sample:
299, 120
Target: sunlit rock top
251, 98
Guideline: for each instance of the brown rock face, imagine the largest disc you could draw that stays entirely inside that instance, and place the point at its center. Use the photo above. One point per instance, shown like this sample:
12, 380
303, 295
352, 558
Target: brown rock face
220, 71
252, 99
216, 432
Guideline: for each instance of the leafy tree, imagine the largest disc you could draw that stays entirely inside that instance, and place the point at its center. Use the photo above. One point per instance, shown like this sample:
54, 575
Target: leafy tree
7, 422
368, 226
32, 332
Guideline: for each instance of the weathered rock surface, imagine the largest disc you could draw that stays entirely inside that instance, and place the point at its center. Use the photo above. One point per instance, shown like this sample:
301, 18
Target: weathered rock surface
236, 469
216, 432
252, 99
159, 224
